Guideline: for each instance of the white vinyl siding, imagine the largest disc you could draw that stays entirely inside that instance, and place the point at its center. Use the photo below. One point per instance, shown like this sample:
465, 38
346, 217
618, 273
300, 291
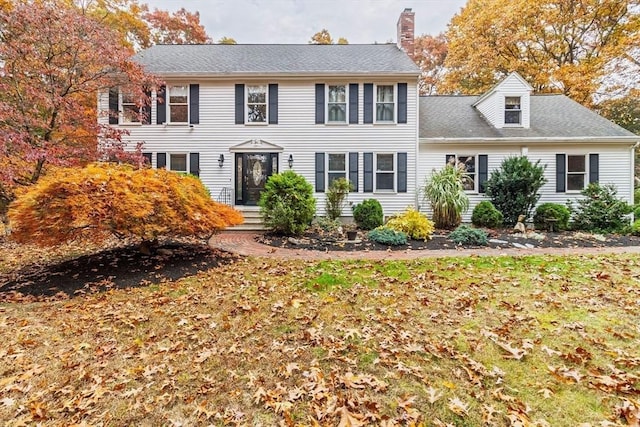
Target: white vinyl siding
296, 133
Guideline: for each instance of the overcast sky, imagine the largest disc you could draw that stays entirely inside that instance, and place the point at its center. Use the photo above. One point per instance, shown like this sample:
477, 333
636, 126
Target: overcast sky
295, 21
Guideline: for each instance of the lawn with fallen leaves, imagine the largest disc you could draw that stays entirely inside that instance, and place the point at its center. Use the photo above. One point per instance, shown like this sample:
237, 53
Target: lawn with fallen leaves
524, 341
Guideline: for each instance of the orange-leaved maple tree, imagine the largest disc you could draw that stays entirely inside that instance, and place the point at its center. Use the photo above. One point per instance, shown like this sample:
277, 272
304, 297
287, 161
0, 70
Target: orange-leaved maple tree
55, 60
107, 199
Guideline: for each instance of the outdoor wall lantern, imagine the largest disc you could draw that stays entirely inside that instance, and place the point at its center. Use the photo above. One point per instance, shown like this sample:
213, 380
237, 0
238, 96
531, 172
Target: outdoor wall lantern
290, 161
221, 160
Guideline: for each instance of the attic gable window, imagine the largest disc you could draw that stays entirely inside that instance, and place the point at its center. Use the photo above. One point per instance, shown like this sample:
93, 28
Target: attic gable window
257, 104
512, 110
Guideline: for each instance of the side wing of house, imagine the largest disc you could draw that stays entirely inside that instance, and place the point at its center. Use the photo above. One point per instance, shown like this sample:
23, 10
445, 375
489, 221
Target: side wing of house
574, 145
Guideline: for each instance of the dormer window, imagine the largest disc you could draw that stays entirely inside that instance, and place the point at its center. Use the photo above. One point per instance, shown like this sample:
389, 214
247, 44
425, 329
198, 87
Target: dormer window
512, 110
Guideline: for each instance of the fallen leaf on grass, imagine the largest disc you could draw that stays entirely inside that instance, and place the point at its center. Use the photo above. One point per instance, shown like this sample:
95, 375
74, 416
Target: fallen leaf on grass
630, 410
458, 407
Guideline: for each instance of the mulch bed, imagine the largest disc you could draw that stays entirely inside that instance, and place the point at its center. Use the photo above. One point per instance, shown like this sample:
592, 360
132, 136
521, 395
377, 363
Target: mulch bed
315, 239
117, 268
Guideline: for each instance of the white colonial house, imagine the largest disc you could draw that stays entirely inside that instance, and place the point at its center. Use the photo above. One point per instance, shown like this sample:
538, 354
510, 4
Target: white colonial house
236, 114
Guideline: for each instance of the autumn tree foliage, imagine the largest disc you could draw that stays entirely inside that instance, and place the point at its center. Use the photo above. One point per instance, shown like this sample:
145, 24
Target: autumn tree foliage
324, 37
55, 61
556, 45
180, 27
104, 199
430, 54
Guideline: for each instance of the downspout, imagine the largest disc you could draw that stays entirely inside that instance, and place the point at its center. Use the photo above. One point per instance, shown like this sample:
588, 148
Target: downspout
633, 170
416, 157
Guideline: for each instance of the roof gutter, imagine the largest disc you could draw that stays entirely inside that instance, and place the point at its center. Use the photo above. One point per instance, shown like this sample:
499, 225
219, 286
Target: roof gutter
534, 140
228, 75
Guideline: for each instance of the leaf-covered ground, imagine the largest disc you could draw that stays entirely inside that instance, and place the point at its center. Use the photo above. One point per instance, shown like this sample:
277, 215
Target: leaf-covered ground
468, 341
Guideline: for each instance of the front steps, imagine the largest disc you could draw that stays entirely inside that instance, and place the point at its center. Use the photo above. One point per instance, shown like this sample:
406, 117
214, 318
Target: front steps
252, 219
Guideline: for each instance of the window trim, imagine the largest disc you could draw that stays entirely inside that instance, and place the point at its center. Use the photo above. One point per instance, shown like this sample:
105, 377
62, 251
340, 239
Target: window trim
346, 104
122, 116
375, 104
178, 153
585, 173
376, 171
331, 171
168, 102
519, 110
266, 104
476, 164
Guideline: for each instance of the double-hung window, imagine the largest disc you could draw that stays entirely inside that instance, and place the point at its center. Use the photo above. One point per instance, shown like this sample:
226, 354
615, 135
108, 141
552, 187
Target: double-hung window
257, 104
512, 110
385, 172
385, 103
468, 165
576, 172
336, 167
178, 162
130, 109
178, 103
337, 104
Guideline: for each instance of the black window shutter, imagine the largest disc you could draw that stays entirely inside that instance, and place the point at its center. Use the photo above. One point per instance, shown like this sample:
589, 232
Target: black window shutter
402, 173
113, 106
483, 172
353, 170
561, 170
319, 103
594, 168
161, 105
402, 103
146, 111
239, 104
273, 104
368, 103
161, 160
147, 157
368, 172
319, 172
353, 103
194, 164
194, 104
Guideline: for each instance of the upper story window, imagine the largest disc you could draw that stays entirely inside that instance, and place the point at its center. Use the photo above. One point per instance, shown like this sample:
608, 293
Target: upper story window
130, 109
385, 103
257, 104
178, 103
385, 172
337, 104
576, 172
512, 110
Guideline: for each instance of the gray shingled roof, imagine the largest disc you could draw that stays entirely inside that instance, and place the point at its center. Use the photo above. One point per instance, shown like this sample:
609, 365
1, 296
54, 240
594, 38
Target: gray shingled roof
552, 116
276, 59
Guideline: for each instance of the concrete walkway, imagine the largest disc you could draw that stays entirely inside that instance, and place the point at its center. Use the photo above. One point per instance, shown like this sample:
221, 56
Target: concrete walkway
244, 243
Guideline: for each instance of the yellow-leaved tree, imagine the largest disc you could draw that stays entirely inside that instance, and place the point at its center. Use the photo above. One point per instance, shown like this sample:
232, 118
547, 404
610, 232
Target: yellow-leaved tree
104, 199
566, 46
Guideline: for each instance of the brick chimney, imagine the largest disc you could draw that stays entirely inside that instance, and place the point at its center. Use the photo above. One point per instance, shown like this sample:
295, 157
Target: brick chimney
406, 28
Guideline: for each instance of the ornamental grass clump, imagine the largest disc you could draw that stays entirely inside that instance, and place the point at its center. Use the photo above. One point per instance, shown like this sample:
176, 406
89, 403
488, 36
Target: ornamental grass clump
445, 192
413, 223
336, 197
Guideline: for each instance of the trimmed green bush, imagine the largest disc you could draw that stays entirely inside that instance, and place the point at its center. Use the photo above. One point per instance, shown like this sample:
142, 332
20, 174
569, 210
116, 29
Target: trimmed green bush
387, 236
411, 222
554, 211
486, 215
468, 236
634, 229
368, 214
636, 196
600, 210
514, 188
287, 204
444, 190
336, 197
